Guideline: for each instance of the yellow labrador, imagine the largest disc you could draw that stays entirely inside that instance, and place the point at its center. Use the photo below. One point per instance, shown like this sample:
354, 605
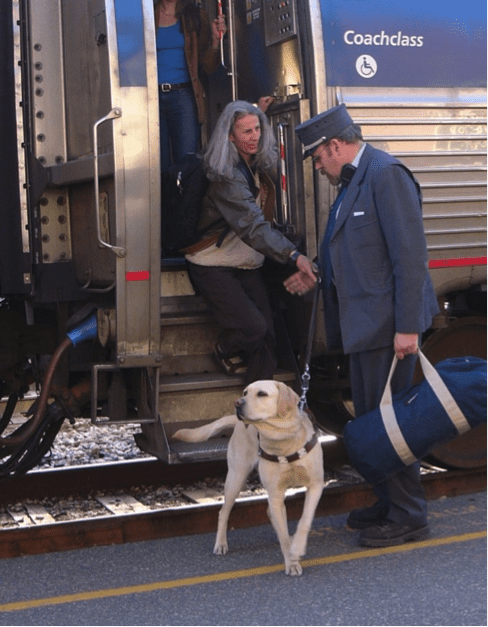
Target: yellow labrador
269, 428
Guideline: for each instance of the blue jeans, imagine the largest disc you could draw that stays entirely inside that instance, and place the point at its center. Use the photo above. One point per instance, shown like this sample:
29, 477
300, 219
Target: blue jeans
179, 129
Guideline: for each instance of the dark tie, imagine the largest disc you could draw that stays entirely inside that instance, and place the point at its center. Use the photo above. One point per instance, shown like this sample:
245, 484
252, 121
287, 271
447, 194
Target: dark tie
325, 246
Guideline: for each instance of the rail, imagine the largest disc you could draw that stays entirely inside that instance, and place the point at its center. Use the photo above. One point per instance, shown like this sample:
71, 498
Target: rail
134, 522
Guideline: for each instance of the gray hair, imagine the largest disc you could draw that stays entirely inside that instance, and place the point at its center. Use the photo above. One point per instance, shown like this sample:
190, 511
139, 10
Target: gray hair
221, 155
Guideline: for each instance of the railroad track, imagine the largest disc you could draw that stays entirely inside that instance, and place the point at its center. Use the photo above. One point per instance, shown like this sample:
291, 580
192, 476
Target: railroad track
26, 527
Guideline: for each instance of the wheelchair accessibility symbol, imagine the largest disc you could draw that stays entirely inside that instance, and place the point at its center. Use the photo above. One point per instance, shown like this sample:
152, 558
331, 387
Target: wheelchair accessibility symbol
366, 66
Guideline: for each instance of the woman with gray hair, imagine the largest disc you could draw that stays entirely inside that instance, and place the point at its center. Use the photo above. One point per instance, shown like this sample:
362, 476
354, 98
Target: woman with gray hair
237, 218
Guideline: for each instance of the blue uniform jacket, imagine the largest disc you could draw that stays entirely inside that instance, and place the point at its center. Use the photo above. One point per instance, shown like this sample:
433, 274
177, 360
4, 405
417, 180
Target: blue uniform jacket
379, 259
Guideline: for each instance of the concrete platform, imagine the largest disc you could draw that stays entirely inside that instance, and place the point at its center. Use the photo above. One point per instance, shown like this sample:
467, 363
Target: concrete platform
440, 581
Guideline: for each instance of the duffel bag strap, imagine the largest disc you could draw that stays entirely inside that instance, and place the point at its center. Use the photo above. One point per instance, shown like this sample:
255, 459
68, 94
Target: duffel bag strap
445, 397
390, 422
441, 391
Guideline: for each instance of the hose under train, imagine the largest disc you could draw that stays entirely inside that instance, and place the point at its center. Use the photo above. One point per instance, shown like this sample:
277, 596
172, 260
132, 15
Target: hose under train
26, 446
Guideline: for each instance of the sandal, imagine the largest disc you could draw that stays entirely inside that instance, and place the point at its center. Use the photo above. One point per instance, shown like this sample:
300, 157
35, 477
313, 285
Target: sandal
232, 366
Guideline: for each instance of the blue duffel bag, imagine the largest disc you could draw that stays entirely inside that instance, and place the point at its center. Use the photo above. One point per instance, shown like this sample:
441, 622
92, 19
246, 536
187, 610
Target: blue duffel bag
448, 402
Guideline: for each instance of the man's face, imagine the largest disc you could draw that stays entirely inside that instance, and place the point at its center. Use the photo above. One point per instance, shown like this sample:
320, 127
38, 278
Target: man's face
328, 158
245, 135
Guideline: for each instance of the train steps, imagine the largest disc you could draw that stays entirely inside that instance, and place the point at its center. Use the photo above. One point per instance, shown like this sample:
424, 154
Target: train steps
188, 401
193, 389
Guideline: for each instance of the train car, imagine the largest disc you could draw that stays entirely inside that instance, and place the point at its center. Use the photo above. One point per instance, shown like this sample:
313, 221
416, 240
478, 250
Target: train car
102, 322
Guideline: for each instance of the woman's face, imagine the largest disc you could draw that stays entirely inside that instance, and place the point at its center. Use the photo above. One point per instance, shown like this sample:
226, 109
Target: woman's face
245, 136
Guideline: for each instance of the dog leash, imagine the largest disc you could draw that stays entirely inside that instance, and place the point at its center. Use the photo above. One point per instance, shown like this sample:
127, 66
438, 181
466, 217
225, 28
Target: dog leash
308, 353
303, 398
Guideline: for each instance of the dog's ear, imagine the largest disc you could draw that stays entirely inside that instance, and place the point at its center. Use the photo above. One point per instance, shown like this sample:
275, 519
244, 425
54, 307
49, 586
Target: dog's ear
287, 400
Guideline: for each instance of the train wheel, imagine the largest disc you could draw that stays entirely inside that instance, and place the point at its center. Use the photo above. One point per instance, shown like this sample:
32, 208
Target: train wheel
464, 337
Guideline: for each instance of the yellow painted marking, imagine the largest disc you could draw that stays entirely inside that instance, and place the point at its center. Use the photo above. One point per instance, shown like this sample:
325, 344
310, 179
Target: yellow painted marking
236, 574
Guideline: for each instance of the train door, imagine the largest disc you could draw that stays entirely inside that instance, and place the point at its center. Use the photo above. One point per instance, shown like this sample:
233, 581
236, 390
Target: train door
94, 111
111, 85
93, 98
192, 386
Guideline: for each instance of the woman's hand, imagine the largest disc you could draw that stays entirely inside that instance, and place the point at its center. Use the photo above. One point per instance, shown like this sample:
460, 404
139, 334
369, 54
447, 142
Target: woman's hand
304, 280
219, 29
264, 102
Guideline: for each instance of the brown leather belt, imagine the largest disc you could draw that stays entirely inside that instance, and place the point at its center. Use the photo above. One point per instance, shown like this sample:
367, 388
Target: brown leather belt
166, 87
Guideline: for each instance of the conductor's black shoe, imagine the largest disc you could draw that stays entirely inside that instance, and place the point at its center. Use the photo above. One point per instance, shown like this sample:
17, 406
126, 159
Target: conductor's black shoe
389, 533
368, 516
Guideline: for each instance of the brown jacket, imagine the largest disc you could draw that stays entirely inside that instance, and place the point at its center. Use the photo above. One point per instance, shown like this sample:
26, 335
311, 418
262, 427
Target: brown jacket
200, 54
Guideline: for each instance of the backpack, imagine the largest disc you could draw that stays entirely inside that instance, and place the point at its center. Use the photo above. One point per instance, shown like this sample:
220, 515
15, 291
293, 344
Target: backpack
183, 188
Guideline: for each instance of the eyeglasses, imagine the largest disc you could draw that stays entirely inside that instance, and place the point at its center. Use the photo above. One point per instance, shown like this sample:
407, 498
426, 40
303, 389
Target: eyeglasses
319, 156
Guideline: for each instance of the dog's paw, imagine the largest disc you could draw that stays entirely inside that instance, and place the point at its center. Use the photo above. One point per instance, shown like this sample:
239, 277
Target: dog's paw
294, 569
221, 549
185, 435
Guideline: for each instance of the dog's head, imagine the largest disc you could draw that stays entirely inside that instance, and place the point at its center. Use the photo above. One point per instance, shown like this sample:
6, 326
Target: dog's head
270, 402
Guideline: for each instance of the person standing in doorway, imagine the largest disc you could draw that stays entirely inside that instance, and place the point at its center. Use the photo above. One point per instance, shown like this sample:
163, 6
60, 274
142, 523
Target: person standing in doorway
185, 43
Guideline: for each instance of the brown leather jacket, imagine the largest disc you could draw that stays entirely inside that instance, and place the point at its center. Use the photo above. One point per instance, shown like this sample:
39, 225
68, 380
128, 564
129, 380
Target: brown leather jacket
200, 54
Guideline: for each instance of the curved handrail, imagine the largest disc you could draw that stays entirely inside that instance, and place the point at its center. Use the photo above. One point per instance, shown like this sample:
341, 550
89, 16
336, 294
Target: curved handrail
116, 112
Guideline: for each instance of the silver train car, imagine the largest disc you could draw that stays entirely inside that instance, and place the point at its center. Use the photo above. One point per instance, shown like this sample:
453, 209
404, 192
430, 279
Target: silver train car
80, 243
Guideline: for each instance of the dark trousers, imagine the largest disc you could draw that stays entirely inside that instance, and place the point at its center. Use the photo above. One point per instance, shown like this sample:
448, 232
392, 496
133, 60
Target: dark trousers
239, 301
368, 373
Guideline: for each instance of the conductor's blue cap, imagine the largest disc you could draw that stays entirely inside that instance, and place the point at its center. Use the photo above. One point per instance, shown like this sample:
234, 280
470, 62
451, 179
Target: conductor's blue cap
322, 128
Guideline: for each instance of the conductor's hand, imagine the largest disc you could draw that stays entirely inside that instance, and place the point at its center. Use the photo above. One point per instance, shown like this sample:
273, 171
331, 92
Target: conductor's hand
304, 280
406, 344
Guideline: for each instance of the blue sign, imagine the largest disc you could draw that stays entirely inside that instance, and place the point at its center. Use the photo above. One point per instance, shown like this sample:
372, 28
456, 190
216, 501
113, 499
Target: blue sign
419, 43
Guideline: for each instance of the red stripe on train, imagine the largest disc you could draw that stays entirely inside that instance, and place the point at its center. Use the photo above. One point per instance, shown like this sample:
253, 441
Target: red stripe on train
141, 275
456, 263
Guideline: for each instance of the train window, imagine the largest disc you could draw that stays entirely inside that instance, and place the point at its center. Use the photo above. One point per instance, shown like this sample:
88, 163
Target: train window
130, 43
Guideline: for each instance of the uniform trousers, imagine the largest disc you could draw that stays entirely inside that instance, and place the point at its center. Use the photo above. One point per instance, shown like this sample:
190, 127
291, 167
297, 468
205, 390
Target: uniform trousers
369, 370
240, 303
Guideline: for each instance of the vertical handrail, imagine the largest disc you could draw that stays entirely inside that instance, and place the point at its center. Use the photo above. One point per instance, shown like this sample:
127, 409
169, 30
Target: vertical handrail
221, 35
232, 51
285, 209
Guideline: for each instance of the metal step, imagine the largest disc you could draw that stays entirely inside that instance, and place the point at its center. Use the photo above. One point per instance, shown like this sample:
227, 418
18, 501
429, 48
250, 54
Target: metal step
207, 380
202, 381
181, 306
188, 336
186, 400
212, 450
184, 318
215, 449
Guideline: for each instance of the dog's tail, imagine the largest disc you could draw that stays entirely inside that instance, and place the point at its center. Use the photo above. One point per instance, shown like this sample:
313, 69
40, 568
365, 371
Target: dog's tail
201, 434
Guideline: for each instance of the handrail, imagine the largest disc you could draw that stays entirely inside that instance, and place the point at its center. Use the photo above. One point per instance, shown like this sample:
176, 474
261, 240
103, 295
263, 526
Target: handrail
285, 212
116, 112
232, 50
